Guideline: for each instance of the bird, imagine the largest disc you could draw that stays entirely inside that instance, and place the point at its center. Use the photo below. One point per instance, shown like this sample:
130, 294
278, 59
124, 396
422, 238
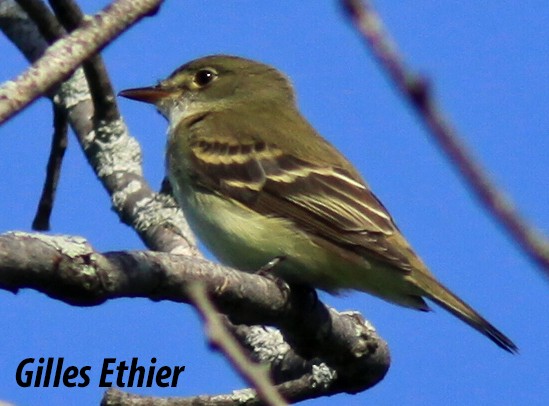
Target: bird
258, 183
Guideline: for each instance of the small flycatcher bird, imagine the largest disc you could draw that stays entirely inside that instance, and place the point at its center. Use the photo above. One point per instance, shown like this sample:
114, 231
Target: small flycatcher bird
257, 182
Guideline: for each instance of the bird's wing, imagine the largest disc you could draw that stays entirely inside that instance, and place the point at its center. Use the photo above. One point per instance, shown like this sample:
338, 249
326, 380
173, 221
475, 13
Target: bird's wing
326, 201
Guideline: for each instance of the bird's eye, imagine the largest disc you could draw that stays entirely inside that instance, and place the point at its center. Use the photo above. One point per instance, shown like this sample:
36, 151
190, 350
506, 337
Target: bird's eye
204, 76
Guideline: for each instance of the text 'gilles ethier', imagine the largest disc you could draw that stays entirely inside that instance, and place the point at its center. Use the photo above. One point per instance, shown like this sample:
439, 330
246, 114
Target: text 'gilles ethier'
52, 372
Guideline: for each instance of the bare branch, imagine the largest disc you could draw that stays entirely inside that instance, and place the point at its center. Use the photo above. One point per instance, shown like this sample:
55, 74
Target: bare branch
416, 90
103, 95
116, 397
220, 337
48, 25
51, 30
68, 13
57, 152
62, 58
112, 153
68, 269
295, 390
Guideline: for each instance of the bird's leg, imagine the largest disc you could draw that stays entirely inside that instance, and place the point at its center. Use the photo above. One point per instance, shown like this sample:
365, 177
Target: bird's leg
267, 269
304, 292
267, 272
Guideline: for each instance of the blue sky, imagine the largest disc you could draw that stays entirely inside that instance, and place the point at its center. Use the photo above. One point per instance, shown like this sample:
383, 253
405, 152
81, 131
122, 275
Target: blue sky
489, 64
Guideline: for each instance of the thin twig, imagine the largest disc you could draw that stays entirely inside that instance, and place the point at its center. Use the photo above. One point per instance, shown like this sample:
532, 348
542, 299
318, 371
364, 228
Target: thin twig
105, 108
103, 96
220, 337
51, 30
58, 146
419, 94
68, 13
42, 16
63, 57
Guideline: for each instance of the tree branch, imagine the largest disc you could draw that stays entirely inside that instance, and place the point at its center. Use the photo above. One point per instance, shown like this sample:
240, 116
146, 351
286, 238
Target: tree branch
99, 84
59, 142
220, 337
42, 16
113, 154
68, 269
63, 57
419, 94
295, 390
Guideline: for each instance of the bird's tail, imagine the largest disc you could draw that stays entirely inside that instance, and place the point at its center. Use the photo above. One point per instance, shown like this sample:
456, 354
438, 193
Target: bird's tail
435, 291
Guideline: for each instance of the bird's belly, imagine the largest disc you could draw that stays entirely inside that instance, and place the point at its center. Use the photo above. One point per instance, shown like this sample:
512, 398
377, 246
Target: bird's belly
236, 235
246, 240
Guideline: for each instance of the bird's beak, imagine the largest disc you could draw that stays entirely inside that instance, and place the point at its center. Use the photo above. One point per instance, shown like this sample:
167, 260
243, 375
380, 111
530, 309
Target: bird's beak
151, 94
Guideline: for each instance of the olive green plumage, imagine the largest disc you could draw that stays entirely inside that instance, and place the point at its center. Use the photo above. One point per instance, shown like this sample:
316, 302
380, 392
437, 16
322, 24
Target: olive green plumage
256, 181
